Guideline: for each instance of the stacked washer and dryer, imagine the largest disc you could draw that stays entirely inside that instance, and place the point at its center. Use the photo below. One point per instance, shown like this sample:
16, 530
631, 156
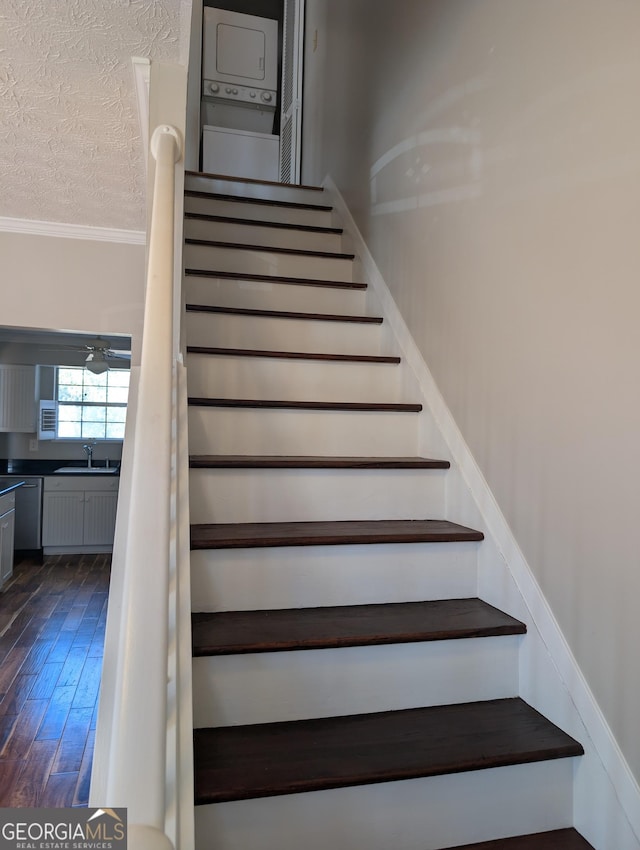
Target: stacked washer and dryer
239, 95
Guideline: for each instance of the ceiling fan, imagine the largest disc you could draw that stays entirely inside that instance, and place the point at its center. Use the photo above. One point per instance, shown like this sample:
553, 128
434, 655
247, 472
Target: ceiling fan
97, 360
99, 354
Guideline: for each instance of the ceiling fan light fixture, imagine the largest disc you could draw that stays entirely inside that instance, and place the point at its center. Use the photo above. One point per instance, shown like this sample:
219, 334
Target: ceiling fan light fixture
96, 362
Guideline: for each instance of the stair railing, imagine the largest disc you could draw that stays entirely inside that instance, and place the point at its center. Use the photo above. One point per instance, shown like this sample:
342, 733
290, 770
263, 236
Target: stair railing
138, 757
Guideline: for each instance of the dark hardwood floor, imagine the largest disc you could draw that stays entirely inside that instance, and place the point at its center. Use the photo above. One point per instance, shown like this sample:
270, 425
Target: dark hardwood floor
52, 621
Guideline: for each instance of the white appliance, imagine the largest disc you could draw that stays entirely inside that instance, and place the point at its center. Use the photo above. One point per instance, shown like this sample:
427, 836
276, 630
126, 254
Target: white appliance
239, 70
240, 153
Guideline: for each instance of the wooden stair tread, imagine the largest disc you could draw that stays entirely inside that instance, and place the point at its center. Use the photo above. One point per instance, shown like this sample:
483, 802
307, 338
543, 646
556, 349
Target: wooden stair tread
291, 355
236, 632
270, 249
255, 180
221, 196
284, 314
267, 278
331, 533
276, 225
243, 762
556, 839
284, 404
312, 462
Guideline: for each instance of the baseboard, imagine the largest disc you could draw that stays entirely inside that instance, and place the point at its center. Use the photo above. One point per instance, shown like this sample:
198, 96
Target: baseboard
606, 795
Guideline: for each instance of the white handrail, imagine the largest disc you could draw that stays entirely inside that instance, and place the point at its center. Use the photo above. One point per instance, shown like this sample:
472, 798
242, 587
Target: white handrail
136, 774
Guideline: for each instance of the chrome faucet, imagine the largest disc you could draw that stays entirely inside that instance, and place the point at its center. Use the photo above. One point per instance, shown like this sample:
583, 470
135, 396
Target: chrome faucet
88, 448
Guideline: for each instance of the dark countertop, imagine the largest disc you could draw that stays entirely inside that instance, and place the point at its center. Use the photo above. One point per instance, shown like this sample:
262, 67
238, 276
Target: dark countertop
37, 466
9, 488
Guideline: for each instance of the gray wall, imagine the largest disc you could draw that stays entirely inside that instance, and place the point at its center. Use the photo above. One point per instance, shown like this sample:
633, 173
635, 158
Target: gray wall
489, 152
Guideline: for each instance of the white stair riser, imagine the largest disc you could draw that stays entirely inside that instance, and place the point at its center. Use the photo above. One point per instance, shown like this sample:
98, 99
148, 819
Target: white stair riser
277, 334
265, 295
258, 212
255, 235
419, 814
271, 192
301, 432
299, 495
310, 576
266, 262
296, 380
269, 687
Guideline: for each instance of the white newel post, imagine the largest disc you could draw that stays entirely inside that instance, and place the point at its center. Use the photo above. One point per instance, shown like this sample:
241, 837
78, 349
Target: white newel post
137, 775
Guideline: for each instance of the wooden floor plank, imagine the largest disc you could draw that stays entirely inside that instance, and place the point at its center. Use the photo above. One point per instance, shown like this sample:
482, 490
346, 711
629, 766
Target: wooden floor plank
270, 249
54, 618
16, 696
282, 404
255, 181
59, 790
285, 314
322, 283
74, 738
557, 839
192, 193
243, 762
24, 731
272, 225
312, 462
30, 783
261, 534
291, 355
234, 632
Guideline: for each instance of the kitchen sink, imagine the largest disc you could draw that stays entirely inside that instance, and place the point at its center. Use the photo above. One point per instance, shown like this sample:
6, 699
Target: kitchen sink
109, 470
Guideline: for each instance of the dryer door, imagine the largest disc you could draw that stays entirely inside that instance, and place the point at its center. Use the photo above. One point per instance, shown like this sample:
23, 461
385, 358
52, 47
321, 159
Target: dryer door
241, 52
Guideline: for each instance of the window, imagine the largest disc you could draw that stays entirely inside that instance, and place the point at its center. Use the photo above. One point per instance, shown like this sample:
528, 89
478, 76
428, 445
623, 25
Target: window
91, 407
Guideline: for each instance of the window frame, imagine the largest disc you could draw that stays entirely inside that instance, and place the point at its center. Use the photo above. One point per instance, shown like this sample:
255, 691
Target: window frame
107, 405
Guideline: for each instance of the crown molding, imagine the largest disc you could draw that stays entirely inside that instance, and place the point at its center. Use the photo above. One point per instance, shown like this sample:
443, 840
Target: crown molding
71, 231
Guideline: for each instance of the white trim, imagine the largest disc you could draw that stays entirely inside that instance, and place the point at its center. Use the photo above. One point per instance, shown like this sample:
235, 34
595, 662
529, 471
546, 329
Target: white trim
71, 231
142, 75
621, 791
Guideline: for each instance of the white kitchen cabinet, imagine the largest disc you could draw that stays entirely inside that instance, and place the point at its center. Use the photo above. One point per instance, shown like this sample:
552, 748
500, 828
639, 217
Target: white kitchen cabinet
7, 524
17, 398
99, 518
78, 514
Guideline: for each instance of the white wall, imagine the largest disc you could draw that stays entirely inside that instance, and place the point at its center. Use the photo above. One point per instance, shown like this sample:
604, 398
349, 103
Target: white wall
55, 283
489, 153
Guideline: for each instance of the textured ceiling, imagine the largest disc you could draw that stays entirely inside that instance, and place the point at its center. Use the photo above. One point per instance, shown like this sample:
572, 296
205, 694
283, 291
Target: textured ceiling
70, 143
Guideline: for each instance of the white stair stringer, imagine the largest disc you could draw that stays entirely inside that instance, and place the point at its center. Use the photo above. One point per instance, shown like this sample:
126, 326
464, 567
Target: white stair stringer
272, 686
418, 814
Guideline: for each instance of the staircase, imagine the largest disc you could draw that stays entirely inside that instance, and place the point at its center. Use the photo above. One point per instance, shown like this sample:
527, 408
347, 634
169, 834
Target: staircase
350, 690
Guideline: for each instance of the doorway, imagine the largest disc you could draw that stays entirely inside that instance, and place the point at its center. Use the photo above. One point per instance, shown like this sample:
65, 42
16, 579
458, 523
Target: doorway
258, 126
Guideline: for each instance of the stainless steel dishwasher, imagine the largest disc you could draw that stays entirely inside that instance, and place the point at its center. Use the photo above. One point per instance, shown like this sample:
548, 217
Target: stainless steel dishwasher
28, 534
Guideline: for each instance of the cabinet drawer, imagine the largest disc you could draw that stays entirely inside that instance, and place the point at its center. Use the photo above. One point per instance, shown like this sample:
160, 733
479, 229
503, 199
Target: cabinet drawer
82, 483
